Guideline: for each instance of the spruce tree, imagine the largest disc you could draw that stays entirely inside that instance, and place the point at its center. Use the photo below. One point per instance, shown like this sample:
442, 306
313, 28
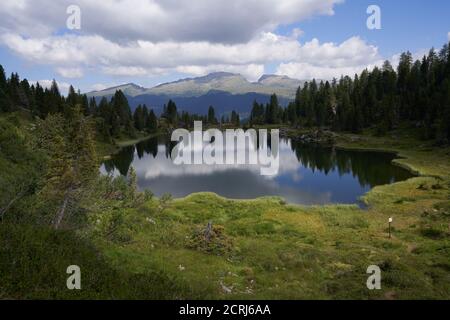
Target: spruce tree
152, 123
211, 116
73, 164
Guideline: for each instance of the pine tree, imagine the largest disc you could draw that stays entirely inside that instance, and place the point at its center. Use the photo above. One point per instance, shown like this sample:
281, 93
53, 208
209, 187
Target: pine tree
73, 164
72, 99
4, 99
2, 78
152, 123
13, 87
85, 104
403, 72
171, 113
145, 116
272, 110
42, 108
211, 116
139, 119
122, 117
93, 107
235, 119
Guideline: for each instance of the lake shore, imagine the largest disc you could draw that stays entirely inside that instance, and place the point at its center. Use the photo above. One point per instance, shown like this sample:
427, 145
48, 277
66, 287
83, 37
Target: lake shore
258, 249
266, 248
107, 150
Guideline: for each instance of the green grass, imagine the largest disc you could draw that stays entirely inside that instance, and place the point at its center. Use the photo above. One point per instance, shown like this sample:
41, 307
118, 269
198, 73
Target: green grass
281, 251
34, 260
125, 142
292, 252
105, 150
260, 249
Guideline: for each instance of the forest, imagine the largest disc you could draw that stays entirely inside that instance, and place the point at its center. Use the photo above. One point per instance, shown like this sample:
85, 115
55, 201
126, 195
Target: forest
56, 206
67, 128
417, 92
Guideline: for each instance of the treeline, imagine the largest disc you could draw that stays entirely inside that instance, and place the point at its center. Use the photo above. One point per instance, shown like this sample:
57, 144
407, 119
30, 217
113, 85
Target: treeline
186, 120
417, 92
50, 171
113, 118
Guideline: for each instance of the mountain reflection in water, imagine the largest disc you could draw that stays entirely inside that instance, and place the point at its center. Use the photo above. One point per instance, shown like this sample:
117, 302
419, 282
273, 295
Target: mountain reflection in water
308, 174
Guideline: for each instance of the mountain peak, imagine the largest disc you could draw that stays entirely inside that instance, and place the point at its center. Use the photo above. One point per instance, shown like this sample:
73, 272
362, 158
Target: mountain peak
233, 83
124, 86
221, 74
272, 76
217, 76
130, 89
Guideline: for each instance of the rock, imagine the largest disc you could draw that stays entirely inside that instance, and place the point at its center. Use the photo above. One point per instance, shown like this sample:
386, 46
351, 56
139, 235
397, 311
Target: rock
226, 289
317, 137
150, 220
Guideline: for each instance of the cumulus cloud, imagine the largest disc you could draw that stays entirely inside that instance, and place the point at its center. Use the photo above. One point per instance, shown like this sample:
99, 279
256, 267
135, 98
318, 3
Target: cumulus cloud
448, 36
63, 86
70, 72
328, 60
155, 58
251, 71
127, 71
169, 36
297, 33
99, 87
158, 20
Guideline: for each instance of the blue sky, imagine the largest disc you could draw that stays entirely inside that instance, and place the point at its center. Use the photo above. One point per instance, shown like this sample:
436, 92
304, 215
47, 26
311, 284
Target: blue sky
149, 50
406, 24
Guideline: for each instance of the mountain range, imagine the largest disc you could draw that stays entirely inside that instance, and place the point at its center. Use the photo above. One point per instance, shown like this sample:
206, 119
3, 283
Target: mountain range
225, 91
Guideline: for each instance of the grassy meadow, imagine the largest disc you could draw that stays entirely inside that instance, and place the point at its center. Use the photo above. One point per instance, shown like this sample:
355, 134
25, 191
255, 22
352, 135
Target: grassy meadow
258, 249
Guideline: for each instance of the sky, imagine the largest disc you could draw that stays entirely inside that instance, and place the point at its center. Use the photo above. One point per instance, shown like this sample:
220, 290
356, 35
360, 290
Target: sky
149, 42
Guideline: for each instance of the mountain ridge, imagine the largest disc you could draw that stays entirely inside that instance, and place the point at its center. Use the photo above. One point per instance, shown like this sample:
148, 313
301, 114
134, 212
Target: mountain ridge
224, 90
233, 83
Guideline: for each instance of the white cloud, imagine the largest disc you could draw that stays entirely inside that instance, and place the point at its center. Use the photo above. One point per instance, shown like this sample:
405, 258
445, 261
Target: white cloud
143, 58
99, 87
63, 86
448, 36
125, 71
250, 71
228, 21
192, 37
309, 71
297, 33
70, 73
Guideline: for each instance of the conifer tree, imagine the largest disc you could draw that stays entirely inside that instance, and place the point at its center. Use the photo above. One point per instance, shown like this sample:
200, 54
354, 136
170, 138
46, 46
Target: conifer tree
73, 164
152, 123
211, 115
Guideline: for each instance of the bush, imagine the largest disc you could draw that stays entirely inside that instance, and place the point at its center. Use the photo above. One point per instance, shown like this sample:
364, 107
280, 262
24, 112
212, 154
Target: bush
432, 233
213, 240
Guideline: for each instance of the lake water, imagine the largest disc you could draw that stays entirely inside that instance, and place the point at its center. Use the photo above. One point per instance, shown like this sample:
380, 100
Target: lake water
308, 174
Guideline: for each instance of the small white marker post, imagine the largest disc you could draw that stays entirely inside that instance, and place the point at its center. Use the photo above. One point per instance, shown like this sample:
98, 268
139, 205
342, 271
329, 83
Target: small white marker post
390, 222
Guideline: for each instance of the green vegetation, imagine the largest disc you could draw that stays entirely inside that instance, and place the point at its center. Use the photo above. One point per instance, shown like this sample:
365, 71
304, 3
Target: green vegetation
268, 249
417, 92
132, 245
56, 209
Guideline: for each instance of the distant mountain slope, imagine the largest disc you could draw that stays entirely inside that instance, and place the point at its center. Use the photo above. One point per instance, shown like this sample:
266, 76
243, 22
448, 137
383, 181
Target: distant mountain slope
225, 91
129, 89
228, 82
223, 102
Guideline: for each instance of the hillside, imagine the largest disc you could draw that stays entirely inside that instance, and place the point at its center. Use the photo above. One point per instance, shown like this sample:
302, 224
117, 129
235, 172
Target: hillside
225, 91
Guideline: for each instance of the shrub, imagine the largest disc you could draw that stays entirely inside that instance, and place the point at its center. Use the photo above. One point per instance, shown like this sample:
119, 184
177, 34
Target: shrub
211, 239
